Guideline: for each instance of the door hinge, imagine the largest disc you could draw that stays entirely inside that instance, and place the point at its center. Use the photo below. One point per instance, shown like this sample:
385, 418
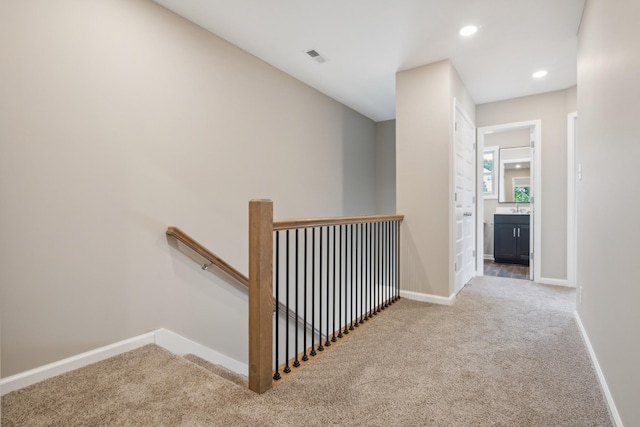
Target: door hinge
455, 267
474, 253
473, 199
532, 199
455, 196
533, 144
455, 126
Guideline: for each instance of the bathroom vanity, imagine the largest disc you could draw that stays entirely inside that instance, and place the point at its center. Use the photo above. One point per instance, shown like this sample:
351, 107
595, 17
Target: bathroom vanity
511, 238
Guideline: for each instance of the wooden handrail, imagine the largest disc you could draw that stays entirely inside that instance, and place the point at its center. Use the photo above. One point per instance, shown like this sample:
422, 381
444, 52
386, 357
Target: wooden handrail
208, 255
192, 244
290, 224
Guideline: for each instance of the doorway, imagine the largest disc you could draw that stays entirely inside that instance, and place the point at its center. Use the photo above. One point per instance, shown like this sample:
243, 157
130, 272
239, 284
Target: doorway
516, 206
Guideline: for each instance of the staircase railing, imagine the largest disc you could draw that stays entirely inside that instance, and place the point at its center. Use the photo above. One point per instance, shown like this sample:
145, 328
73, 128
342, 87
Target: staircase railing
211, 259
327, 275
334, 273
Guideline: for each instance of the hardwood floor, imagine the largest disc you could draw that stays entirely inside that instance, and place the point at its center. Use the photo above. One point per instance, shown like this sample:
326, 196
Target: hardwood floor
513, 271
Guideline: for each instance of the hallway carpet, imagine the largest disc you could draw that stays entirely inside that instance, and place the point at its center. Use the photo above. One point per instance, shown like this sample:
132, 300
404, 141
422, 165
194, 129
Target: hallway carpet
503, 355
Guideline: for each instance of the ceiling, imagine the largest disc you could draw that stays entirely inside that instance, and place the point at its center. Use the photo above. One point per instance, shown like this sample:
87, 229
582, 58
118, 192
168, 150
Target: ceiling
365, 42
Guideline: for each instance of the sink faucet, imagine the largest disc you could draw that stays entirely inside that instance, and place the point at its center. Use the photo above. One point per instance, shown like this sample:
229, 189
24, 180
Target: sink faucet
517, 210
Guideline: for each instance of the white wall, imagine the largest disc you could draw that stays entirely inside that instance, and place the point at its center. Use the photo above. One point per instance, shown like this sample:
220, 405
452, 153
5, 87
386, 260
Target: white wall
552, 109
118, 119
608, 232
424, 138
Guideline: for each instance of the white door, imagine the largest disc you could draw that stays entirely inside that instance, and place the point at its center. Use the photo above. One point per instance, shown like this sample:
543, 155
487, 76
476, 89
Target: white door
464, 199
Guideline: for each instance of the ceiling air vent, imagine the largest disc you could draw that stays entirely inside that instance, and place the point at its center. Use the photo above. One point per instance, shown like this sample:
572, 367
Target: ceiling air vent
316, 56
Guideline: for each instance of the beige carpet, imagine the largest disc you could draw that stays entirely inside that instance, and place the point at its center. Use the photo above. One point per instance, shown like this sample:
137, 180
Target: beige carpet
508, 353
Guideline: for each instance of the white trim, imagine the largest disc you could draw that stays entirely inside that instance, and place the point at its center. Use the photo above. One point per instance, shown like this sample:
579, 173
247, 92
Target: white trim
536, 176
162, 337
495, 149
32, 376
435, 299
615, 416
489, 257
572, 222
554, 282
180, 345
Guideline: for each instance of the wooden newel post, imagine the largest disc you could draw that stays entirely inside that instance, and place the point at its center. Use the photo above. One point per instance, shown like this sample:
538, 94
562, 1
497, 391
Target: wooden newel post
260, 295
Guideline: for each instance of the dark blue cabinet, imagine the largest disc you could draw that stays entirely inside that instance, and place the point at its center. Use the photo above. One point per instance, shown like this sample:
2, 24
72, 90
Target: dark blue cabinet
511, 237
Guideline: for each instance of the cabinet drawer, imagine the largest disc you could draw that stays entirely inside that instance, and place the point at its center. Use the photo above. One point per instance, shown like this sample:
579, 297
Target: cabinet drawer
510, 219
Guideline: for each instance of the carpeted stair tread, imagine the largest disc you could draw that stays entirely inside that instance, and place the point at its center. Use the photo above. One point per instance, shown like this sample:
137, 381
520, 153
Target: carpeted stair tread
221, 371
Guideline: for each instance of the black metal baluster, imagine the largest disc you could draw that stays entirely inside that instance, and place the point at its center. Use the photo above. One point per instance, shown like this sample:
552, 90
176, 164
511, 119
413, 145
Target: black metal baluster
378, 265
306, 261
341, 269
361, 281
327, 342
374, 268
393, 260
353, 278
320, 347
333, 338
296, 362
386, 264
365, 276
287, 369
389, 264
346, 279
276, 376
381, 277
398, 230
369, 269
313, 292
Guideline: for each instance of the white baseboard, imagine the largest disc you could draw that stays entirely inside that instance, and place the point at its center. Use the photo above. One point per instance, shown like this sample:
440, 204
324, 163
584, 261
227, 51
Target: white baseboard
162, 337
554, 282
603, 383
488, 257
32, 376
435, 299
180, 345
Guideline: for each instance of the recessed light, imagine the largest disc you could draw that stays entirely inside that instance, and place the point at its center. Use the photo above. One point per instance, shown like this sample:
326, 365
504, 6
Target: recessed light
469, 30
539, 74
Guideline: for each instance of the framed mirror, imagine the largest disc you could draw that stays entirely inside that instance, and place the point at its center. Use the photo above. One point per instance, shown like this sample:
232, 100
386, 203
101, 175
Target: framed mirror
515, 175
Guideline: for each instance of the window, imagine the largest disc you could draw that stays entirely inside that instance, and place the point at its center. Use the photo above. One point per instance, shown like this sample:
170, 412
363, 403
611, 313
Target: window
521, 190
489, 177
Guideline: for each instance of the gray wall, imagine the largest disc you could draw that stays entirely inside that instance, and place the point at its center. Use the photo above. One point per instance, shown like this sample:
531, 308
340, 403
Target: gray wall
386, 167
608, 231
424, 132
552, 109
118, 119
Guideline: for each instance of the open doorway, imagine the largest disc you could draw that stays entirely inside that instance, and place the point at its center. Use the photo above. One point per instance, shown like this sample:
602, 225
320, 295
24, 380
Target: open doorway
509, 199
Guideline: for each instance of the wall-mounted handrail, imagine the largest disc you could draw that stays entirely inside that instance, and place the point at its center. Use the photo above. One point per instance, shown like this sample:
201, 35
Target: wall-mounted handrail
208, 255
291, 224
213, 259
